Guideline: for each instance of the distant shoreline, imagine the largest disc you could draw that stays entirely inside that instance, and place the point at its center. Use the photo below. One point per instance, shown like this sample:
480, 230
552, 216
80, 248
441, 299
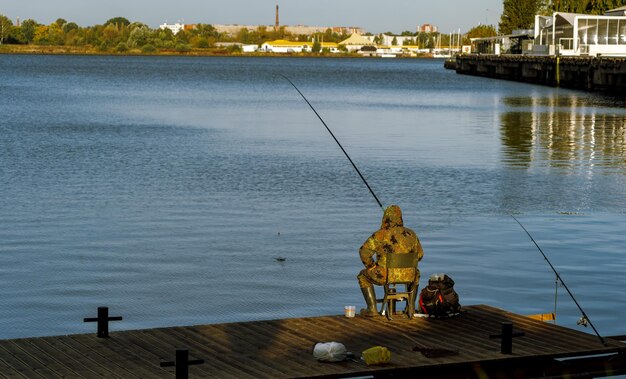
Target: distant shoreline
210, 52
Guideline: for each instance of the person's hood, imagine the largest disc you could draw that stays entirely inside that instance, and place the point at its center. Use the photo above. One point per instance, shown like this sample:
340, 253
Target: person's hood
392, 217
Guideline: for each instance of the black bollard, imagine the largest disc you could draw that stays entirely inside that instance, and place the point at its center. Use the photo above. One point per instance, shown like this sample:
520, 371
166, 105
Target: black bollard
506, 342
182, 363
103, 321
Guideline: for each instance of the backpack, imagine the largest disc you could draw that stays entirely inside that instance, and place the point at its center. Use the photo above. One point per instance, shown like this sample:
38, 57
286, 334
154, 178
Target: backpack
439, 299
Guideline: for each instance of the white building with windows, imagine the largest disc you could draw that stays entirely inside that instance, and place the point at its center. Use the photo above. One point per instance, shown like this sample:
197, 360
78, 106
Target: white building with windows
175, 28
575, 34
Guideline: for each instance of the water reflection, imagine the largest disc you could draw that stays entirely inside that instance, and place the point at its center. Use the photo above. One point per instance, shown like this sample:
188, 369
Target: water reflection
569, 132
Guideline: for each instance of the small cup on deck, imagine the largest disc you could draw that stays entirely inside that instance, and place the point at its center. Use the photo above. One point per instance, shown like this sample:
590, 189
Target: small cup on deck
349, 310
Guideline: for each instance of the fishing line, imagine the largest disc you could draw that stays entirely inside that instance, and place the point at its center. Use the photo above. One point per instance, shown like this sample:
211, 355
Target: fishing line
336, 140
584, 319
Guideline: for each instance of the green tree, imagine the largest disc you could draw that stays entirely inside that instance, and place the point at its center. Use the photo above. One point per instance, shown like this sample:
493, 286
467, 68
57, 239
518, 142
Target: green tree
199, 42
28, 29
329, 36
16, 36
183, 37
5, 28
136, 25
394, 41
163, 38
110, 35
68, 27
183, 48
148, 49
139, 37
206, 30
317, 47
518, 14
121, 47
262, 33
482, 31
118, 21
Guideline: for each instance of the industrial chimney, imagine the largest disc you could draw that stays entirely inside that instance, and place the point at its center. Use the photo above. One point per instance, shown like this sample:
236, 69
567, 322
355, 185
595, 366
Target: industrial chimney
276, 26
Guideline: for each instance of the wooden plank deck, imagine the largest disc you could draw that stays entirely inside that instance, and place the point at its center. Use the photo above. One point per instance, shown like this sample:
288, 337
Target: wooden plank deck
283, 349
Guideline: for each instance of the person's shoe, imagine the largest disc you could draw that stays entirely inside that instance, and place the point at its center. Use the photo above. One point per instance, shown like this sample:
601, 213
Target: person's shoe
365, 312
370, 300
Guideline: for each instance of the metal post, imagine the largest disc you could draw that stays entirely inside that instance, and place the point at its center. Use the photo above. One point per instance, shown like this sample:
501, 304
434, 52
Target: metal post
506, 339
103, 321
506, 336
182, 364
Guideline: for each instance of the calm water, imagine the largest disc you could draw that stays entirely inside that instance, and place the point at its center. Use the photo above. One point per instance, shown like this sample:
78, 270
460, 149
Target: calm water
165, 188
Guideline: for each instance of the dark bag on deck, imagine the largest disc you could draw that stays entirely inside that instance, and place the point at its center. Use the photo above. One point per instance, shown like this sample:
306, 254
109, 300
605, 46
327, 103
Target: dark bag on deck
439, 299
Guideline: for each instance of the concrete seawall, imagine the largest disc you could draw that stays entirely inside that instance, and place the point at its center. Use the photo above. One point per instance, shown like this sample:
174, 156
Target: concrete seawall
589, 73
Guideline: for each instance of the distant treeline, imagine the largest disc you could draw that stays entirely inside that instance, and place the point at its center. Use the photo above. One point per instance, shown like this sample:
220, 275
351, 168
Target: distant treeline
120, 35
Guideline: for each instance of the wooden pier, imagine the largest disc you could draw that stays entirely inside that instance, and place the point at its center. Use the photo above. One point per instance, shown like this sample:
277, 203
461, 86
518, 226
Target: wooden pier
283, 349
588, 73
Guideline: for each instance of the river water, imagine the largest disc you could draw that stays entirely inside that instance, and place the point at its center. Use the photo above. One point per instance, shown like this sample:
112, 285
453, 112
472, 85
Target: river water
166, 187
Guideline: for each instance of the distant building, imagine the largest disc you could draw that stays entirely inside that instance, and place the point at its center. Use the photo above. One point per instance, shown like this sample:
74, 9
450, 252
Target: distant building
175, 28
427, 28
233, 29
283, 46
387, 40
356, 42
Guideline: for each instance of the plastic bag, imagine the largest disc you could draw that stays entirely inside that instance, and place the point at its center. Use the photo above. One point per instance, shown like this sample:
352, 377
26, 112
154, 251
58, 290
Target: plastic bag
330, 352
376, 355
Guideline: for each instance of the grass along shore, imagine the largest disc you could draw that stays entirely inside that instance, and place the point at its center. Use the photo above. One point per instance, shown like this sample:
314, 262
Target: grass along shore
215, 51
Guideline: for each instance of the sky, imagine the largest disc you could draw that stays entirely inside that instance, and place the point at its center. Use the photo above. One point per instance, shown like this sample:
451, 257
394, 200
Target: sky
373, 16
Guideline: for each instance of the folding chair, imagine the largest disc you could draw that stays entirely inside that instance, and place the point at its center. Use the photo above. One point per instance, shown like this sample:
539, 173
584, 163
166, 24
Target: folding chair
401, 270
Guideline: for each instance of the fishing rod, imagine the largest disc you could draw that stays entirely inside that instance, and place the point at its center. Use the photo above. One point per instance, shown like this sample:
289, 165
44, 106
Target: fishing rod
336, 140
584, 319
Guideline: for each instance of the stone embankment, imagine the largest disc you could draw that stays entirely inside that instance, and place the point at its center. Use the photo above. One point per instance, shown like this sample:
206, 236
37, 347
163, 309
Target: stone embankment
589, 73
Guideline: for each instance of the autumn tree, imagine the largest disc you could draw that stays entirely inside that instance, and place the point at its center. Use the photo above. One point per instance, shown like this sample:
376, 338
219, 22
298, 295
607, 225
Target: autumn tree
110, 35
481, 31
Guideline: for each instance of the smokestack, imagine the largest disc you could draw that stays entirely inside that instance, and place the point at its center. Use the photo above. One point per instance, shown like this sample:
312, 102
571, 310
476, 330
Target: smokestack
276, 26
18, 22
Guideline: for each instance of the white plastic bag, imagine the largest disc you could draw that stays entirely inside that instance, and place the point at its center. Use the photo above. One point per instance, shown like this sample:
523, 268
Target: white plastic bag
330, 352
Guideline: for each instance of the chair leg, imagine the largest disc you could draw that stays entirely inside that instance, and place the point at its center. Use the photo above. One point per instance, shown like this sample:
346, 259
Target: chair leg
389, 306
411, 300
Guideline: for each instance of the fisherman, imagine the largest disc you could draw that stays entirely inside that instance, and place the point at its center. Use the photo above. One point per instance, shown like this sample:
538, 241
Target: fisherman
394, 238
